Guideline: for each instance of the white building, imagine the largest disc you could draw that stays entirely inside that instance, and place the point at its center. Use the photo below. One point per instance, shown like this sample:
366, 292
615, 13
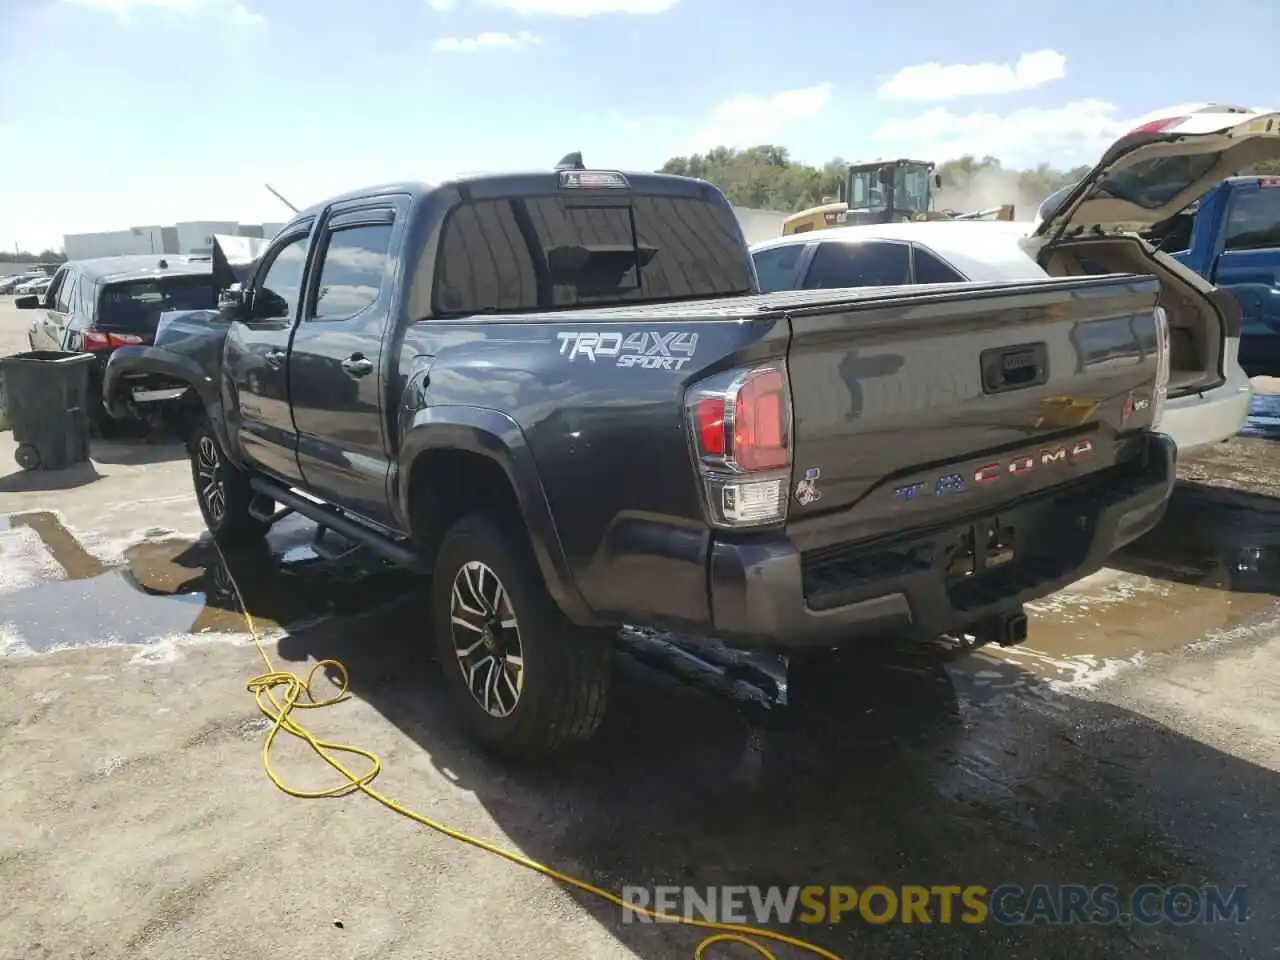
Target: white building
191, 237
760, 225
195, 237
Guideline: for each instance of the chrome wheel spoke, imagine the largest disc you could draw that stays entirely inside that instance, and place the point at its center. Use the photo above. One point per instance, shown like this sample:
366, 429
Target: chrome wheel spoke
486, 639
460, 604
513, 686
473, 577
212, 492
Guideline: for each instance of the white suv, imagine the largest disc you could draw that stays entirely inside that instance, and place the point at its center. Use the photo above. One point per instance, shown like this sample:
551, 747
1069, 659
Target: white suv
1090, 228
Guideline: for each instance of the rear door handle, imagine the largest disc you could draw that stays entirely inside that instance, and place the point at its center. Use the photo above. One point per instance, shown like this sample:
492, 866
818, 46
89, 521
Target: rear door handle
357, 365
274, 358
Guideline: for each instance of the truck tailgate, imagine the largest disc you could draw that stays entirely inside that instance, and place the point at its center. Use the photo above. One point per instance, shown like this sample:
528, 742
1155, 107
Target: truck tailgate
912, 411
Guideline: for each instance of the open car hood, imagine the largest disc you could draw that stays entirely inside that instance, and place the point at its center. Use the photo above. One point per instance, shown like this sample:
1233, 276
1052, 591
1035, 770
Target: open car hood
1160, 167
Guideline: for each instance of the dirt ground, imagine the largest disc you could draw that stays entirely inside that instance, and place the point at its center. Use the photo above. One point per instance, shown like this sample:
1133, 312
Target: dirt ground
1134, 739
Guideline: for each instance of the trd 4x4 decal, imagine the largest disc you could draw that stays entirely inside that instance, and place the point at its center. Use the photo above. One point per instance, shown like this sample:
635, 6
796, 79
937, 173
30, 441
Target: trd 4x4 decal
648, 348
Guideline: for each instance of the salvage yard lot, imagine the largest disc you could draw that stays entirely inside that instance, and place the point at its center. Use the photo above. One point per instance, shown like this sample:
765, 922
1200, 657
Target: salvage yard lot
1135, 739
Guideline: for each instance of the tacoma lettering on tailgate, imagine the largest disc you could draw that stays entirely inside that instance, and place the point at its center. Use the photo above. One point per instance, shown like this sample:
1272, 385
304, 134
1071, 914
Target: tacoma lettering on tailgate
1015, 466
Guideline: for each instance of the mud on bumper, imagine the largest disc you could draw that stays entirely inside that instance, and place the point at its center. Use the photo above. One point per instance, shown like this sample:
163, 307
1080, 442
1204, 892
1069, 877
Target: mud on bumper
770, 594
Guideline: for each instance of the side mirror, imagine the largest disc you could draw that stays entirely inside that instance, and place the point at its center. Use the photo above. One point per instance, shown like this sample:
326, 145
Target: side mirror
231, 303
29, 302
937, 181
265, 304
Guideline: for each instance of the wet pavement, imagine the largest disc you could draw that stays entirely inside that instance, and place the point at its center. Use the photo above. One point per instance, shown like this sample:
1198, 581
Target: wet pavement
165, 588
1135, 738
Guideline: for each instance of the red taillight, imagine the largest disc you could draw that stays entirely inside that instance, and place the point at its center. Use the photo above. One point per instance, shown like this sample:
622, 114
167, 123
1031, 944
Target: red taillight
740, 422
745, 425
95, 340
759, 433
709, 412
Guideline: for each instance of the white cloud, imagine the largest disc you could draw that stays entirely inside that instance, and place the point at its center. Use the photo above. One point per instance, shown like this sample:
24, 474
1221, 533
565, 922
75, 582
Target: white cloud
485, 41
233, 10
442, 6
938, 82
1065, 136
750, 120
582, 8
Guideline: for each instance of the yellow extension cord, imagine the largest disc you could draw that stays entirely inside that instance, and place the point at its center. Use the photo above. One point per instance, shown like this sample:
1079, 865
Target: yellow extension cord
263, 687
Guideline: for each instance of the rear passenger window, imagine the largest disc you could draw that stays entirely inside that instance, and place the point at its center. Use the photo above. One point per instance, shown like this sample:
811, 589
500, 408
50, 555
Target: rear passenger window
870, 264
776, 268
1254, 221
355, 263
929, 269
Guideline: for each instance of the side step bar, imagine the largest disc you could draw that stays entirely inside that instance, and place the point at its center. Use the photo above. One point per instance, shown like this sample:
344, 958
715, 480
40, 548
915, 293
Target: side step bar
337, 521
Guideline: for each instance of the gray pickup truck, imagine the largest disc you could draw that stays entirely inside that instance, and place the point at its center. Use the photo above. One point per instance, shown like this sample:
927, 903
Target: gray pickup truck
561, 395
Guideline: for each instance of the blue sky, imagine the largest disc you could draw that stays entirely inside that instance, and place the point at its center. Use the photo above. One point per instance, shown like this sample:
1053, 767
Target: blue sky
116, 113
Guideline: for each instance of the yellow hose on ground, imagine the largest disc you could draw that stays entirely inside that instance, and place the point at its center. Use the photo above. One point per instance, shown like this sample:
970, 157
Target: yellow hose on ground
264, 686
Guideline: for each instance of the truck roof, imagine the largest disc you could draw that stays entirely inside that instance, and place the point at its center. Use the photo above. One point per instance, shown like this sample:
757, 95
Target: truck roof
489, 186
141, 267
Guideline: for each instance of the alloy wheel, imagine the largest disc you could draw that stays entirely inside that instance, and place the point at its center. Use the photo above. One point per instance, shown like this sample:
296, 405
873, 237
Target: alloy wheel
486, 639
212, 490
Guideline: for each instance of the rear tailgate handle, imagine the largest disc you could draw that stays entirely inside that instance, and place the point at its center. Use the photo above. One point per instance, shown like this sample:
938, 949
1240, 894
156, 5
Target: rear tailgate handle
1014, 368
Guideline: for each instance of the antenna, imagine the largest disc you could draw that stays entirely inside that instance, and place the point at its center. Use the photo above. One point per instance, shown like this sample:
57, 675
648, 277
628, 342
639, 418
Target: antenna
570, 161
276, 193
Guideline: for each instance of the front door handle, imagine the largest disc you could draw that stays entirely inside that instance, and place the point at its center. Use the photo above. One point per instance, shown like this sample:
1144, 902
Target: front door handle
357, 365
274, 358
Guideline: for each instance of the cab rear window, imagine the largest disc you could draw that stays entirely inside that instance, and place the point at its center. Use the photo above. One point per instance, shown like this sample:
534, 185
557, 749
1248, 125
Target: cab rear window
537, 253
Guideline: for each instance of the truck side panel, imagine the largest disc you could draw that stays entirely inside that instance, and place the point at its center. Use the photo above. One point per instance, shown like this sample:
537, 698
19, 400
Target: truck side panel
601, 406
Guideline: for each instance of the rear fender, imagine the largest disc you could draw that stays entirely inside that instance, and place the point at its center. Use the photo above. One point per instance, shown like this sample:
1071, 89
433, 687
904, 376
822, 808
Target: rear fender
129, 362
492, 434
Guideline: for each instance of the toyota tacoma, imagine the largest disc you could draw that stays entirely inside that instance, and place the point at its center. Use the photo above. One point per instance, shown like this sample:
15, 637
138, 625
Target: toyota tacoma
562, 395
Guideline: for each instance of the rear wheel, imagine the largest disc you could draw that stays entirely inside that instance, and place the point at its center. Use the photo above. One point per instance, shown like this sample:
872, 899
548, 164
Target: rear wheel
523, 678
222, 491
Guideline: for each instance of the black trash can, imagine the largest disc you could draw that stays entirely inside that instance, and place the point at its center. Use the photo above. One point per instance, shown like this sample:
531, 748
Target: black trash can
48, 394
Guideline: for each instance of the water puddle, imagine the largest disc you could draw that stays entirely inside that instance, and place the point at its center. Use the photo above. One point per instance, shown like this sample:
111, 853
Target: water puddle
1212, 567
55, 594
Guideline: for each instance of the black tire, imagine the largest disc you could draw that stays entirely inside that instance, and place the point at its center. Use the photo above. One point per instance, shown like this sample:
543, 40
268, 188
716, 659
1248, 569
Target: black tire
27, 456
562, 684
102, 425
222, 491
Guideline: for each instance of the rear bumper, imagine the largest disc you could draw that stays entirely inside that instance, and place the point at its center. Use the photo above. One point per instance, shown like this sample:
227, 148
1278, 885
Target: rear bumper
766, 593
124, 362
1201, 420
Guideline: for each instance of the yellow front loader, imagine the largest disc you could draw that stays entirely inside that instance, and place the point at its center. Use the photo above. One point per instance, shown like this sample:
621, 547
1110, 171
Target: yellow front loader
894, 191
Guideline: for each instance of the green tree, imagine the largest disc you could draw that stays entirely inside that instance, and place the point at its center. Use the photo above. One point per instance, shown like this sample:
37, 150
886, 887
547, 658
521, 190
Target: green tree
765, 177
26, 256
